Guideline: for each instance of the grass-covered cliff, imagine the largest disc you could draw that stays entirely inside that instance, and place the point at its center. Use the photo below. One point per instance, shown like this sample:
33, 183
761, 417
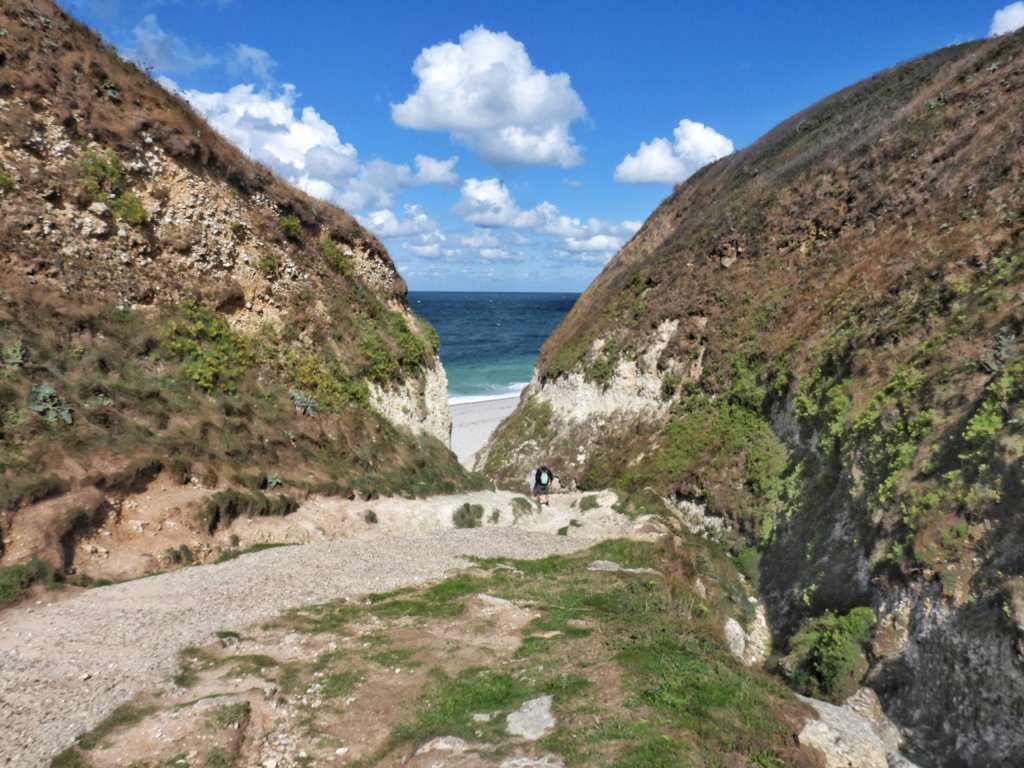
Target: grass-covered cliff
166, 305
819, 339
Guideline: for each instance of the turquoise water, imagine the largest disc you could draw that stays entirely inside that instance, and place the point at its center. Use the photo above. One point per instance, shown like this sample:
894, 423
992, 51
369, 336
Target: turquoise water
490, 341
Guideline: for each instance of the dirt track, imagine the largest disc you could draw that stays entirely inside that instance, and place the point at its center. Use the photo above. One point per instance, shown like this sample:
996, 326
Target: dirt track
65, 666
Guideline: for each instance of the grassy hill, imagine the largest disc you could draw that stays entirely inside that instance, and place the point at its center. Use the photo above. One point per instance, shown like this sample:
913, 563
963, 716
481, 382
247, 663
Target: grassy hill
826, 326
168, 306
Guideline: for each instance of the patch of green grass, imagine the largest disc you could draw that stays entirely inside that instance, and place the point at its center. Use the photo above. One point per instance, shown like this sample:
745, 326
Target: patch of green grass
231, 554
338, 684
441, 600
394, 657
229, 715
124, 716
328, 618
69, 758
216, 758
448, 703
588, 503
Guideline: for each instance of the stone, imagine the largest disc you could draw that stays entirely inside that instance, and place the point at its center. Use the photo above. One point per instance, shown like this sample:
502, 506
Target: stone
532, 720
607, 566
735, 638
493, 601
546, 761
846, 739
451, 744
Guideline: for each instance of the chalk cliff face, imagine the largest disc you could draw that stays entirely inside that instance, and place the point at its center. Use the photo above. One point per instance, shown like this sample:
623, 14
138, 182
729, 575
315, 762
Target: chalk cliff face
165, 302
817, 341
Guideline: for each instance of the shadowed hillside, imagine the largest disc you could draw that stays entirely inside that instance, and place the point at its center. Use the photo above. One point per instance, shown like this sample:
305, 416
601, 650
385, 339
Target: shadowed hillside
815, 342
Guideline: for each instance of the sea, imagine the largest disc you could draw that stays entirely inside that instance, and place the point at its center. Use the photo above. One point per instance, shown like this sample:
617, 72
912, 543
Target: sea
490, 341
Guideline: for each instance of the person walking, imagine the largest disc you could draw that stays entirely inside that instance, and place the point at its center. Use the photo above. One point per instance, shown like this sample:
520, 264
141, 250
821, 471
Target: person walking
542, 479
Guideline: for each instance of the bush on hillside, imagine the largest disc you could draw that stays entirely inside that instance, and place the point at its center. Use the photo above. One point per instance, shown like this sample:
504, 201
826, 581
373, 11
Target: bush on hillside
468, 516
826, 656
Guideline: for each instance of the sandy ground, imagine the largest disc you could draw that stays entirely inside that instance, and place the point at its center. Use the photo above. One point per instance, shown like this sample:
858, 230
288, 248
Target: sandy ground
473, 423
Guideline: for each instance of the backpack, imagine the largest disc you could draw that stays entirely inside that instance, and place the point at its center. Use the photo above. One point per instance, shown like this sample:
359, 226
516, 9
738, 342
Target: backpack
544, 477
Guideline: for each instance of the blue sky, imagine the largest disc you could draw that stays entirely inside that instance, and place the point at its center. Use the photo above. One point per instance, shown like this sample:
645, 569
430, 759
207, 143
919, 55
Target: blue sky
513, 146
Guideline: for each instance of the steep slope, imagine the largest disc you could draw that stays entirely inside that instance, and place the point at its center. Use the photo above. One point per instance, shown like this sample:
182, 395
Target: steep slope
817, 341
168, 306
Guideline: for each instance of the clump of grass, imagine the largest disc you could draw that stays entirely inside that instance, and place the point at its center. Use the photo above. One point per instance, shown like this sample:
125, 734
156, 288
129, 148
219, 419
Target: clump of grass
370, 517
124, 716
588, 503
290, 226
338, 684
6, 182
102, 179
224, 506
229, 715
181, 555
231, 554
15, 579
468, 516
336, 258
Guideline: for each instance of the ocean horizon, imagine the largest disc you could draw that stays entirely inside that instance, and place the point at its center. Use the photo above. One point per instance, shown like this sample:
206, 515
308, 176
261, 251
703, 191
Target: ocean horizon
490, 340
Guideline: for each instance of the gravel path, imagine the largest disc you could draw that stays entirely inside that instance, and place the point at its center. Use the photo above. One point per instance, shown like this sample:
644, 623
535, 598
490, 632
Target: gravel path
65, 666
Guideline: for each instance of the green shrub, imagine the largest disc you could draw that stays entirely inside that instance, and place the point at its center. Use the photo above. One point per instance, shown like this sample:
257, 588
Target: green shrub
669, 385
588, 503
267, 266
44, 400
128, 207
827, 655
335, 257
290, 227
380, 365
6, 182
370, 517
468, 516
13, 354
212, 354
14, 581
303, 403
101, 175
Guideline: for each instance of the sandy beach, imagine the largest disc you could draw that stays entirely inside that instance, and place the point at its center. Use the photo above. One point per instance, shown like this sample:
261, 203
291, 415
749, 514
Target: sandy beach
473, 423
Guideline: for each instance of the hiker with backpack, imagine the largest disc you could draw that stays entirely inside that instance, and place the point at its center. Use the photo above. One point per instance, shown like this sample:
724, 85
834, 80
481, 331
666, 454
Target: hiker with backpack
542, 480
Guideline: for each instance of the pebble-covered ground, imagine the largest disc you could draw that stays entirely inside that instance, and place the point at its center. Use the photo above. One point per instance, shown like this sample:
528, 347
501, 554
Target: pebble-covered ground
65, 666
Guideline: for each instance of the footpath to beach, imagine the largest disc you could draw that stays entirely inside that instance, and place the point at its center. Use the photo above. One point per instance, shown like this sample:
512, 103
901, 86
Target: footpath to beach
474, 422
66, 665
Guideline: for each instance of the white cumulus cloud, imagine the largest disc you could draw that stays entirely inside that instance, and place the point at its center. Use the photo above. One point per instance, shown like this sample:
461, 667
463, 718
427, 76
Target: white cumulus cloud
594, 243
165, 52
306, 149
429, 170
384, 223
485, 92
661, 161
245, 59
1008, 19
